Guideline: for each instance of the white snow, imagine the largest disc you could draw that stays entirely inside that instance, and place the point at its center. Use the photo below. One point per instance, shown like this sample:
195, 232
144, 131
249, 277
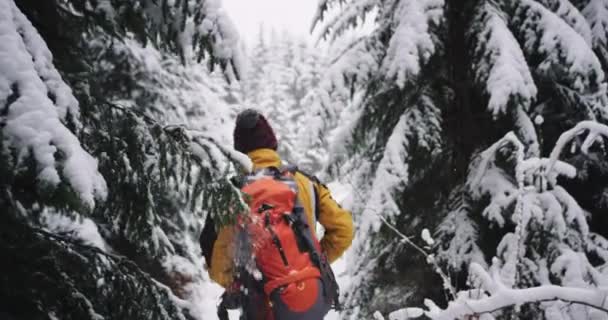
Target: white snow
594, 129
392, 174
33, 122
487, 157
359, 60
596, 13
463, 248
351, 15
566, 10
502, 191
502, 68
79, 228
426, 236
406, 313
538, 120
561, 47
570, 277
226, 42
412, 44
501, 297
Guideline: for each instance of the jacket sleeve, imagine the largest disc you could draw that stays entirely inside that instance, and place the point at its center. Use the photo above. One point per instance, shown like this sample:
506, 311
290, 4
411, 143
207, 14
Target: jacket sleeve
221, 269
338, 224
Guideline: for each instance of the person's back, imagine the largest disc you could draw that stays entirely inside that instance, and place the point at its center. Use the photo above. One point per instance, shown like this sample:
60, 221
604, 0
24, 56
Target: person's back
254, 137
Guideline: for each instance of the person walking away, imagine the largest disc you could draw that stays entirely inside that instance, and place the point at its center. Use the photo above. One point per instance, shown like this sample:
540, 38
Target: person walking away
291, 278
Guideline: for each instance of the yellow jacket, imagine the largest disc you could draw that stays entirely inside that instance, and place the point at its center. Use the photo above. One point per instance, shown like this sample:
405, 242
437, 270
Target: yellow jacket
337, 222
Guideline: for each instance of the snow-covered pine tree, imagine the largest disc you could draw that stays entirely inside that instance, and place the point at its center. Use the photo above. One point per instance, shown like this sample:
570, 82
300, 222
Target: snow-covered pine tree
284, 83
276, 100
103, 190
434, 83
547, 263
544, 236
323, 103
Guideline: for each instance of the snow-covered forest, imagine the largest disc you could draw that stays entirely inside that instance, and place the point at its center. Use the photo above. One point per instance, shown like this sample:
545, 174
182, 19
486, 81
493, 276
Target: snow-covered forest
467, 137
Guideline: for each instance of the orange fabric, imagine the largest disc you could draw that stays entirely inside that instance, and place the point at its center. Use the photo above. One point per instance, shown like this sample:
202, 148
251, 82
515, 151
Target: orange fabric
294, 298
271, 192
269, 257
295, 276
337, 222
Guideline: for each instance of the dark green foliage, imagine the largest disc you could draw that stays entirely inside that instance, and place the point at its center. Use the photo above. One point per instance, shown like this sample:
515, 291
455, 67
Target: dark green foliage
590, 186
47, 276
435, 194
159, 192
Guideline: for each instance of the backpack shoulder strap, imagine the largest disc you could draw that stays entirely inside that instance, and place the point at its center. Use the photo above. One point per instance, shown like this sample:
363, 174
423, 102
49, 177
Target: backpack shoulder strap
314, 181
291, 168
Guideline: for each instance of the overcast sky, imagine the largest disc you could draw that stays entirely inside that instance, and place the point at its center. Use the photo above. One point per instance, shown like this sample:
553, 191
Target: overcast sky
293, 15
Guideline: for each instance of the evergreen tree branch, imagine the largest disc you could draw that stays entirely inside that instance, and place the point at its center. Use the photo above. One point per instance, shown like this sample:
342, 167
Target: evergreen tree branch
595, 129
193, 134
501, 297
447, 283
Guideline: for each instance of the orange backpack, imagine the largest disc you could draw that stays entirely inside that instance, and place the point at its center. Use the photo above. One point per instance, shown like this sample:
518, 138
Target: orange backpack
295, 275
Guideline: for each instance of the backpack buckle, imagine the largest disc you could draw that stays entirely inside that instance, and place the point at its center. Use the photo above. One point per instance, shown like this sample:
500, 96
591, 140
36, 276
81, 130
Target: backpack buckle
265, 207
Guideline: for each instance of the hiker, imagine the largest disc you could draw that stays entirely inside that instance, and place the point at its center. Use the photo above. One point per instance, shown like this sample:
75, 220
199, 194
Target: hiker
296, 281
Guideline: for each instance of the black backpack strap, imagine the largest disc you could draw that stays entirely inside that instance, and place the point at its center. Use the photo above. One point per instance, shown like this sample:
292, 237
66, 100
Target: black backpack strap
304, 237
289, 168
315, 182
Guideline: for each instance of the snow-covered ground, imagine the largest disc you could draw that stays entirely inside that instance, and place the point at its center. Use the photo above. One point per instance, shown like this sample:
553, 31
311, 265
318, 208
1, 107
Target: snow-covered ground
340, 270
340, 193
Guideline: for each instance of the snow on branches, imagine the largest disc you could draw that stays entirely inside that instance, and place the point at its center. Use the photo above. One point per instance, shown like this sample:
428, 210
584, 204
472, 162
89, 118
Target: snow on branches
571, 15
407, 22
564, 54
412, 44
595, 131
392, 173
351, 15
188, 28
493, 296
542, 258
596, 13
36, 101
356, 62
499, 63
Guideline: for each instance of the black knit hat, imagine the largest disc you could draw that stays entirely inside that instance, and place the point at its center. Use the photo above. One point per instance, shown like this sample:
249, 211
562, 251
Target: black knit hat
252, 131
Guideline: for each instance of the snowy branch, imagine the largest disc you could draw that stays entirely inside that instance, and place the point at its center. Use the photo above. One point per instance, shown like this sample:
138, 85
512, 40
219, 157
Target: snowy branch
351, 15
412, 43
430, 259
501, 297
554, 211
563, 50
499, 62
488, 155
197, 138
233, 155
595, 130
36, 102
